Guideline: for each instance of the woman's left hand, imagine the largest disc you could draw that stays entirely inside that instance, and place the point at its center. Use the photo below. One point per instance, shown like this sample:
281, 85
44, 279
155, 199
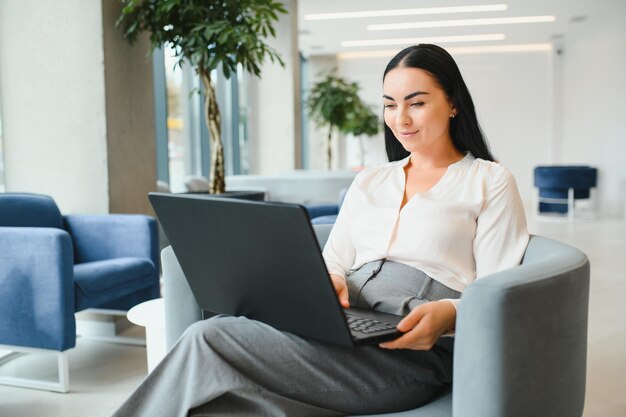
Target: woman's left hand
423, 326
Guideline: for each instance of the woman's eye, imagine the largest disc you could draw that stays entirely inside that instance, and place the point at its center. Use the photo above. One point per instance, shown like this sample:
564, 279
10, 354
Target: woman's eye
418, 104
389, 106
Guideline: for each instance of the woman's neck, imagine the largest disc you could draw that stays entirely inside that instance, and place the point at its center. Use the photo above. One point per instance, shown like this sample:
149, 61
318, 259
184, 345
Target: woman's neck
436, 158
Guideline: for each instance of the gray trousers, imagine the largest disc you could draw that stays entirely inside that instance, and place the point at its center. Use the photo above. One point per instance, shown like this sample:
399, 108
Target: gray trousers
234, 366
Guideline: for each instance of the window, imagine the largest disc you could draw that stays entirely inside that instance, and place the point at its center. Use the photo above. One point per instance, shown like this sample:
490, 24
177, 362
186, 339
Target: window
187, 139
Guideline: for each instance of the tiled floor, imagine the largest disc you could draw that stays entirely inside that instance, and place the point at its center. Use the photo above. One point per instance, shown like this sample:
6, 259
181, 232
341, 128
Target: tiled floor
102, 375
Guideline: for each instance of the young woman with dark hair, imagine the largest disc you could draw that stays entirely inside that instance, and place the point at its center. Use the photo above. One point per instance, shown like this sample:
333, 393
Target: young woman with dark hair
411, 235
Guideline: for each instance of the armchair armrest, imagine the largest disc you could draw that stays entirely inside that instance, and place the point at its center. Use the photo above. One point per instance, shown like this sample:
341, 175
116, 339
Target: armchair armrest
521, 340
100, 237
37, 281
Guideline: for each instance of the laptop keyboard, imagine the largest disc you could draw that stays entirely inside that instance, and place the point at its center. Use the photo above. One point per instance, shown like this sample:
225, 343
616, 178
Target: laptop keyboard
367, 326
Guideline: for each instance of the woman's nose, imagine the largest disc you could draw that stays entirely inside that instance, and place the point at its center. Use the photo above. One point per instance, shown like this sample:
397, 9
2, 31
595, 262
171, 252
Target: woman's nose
403, 118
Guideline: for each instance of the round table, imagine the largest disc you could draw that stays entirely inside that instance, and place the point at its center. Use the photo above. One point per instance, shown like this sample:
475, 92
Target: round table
151, 315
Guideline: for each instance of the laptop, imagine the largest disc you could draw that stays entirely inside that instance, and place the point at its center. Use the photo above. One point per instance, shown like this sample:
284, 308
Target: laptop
262, 260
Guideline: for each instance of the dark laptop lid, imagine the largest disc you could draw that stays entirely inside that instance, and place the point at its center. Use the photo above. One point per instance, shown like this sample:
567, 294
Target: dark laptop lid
256, 259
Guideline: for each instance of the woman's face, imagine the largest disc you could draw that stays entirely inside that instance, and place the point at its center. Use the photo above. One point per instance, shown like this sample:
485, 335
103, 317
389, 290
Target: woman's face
416, 109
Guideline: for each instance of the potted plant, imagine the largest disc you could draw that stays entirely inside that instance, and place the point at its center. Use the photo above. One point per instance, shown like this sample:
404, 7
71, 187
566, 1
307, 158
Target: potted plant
335, 103
208, 35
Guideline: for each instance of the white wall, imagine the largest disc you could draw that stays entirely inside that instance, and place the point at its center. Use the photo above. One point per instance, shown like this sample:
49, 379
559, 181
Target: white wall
512, 94
53, 106
77, 106
274, 103
594, 131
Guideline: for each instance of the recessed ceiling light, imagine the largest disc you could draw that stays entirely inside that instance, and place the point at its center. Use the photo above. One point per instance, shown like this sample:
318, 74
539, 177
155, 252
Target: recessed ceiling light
406, 12
463, 22
413, 41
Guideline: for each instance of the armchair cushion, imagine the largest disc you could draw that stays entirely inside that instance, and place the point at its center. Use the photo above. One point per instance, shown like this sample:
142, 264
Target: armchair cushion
100, 281
100, 237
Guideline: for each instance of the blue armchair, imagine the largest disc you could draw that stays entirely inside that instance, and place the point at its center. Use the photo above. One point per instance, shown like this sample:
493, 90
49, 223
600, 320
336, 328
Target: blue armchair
562, 185
326, 213
52, 266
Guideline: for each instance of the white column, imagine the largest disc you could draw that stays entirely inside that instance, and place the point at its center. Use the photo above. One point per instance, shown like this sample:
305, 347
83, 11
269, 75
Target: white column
274, 103
77, 106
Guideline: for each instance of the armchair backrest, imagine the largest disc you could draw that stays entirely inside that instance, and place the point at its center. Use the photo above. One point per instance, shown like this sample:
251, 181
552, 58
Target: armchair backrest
521, 342
29, 210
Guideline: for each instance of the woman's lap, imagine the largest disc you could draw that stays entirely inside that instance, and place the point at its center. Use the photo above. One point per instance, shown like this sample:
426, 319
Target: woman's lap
233, 366
360, 380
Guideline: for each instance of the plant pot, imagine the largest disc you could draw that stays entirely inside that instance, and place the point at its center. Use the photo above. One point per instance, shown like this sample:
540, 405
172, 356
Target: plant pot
243, 195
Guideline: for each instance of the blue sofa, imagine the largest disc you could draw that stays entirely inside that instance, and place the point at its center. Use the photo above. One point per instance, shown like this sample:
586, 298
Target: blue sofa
52, 266
521, 335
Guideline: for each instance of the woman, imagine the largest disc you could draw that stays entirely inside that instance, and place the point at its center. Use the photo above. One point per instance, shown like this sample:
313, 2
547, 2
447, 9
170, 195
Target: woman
411, 235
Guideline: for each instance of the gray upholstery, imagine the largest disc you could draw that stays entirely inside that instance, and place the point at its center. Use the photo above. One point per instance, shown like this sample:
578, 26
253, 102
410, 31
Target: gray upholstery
521, 341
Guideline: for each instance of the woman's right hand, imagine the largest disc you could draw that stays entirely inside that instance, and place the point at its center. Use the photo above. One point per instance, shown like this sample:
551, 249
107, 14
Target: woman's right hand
341, 288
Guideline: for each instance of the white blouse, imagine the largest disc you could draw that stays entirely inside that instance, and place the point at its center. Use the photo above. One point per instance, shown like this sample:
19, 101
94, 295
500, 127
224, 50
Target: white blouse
469, 224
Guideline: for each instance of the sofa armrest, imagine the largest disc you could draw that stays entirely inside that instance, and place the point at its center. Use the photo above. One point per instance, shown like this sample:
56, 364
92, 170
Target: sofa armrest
100, 237
181, 308
521, 340
37, 282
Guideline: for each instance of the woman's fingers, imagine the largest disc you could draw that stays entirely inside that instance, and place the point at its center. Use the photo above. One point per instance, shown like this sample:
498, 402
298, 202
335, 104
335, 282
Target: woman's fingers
423, 326
341, 289
420, 337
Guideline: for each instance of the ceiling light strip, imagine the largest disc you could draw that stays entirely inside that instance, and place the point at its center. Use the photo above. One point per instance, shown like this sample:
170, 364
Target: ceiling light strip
413, 41
406, 12
460, 50
463, 22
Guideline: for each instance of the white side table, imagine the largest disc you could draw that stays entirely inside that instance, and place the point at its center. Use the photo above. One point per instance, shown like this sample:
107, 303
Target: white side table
151, 315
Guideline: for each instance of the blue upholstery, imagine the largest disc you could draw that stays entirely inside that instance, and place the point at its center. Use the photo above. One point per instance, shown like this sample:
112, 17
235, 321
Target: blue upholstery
555, 181
53, 266
326, 213
29, 210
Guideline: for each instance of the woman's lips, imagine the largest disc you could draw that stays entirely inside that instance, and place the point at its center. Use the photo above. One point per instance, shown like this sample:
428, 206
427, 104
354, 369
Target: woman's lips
407, 134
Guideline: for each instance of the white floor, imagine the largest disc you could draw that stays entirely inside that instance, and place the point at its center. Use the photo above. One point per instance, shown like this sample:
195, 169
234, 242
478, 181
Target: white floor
102, 375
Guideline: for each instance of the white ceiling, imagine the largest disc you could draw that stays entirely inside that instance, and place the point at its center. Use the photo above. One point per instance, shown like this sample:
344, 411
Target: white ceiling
323, 37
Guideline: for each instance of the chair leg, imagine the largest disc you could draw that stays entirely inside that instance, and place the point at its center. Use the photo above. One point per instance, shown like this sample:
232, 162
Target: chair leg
570, 204
63, 383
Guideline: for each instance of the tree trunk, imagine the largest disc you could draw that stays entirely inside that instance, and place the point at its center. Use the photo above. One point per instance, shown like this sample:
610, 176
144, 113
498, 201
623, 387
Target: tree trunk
217, 184
329, 149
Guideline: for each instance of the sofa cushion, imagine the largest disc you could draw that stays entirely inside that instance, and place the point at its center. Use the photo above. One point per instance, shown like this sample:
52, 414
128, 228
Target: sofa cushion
101, 281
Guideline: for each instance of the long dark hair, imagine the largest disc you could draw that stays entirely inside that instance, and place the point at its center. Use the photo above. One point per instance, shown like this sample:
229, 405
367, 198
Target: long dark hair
464, 128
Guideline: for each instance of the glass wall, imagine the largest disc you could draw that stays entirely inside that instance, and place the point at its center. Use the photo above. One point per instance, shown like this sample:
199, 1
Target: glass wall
188, 138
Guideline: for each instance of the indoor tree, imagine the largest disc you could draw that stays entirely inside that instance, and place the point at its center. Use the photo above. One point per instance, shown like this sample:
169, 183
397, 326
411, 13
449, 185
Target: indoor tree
335, 103
208, 34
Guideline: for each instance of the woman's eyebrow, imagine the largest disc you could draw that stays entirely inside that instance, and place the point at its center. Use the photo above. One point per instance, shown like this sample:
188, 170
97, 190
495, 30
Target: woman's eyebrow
410, 96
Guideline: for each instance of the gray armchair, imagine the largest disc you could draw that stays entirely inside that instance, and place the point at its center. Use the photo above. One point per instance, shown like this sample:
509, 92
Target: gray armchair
521, 338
